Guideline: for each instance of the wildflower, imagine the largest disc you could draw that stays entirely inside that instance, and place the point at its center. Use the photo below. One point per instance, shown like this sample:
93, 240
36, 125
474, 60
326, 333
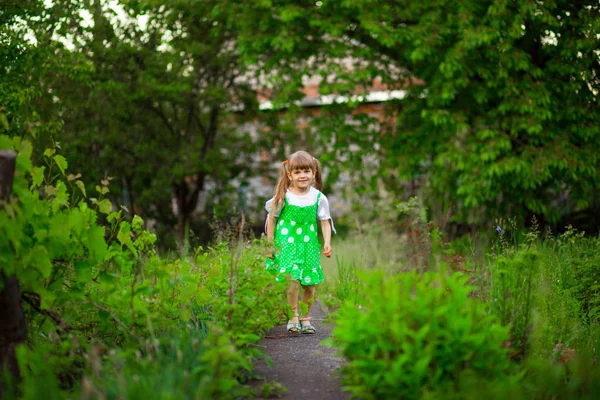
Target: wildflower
500, 230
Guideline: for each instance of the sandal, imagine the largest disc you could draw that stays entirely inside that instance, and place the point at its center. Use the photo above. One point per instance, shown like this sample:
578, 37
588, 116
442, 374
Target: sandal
294, 327
306, 326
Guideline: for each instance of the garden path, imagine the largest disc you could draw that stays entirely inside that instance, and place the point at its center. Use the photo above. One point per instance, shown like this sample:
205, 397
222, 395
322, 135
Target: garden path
301, 363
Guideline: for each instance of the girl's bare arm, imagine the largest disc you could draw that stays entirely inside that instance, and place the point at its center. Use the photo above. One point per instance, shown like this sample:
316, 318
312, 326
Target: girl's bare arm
326, 229
270, 230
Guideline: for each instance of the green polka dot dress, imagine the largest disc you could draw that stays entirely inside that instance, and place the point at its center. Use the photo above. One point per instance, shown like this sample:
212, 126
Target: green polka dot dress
297, 248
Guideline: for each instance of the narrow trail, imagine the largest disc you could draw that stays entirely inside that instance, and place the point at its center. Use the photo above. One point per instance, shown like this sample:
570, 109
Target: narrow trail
301, 364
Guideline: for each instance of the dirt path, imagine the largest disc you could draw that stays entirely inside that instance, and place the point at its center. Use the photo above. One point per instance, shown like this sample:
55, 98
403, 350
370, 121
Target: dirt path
301, 364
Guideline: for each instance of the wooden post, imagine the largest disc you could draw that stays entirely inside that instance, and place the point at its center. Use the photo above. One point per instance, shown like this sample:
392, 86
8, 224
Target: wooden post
13, 328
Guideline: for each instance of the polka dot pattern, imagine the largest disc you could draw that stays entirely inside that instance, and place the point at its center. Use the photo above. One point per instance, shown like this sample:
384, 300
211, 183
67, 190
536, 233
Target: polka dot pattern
298, 250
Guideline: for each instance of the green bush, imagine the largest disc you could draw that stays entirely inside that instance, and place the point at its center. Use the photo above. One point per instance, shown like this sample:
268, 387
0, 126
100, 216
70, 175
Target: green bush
416, 333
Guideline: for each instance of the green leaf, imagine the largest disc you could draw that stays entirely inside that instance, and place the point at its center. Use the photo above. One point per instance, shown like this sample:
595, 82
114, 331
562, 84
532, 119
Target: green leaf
24, 163
96, 243
83, 269
203, 295
37, 175
6, 143
38, 259
102, 189
49, 152
48, 298
81, 187
114, 216
25, 148
137, 224
104, 206
124, 235
61, 162
61, 197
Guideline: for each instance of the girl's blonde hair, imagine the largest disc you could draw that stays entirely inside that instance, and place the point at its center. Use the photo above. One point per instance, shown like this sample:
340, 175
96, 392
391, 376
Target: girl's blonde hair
299, 160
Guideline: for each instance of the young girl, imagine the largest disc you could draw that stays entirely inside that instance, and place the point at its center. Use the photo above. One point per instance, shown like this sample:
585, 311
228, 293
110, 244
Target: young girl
292, 222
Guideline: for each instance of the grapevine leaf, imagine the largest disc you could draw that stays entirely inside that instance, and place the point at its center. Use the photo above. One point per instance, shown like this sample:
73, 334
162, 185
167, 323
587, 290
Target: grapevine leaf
61, 162
124, 235
104, 206
113, 216
37, 175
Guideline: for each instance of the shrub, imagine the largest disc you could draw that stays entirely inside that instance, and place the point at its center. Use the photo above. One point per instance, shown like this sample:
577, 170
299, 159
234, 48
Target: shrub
416, 333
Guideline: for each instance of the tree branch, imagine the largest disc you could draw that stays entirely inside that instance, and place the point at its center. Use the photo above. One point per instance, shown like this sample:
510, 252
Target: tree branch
162, 116
34, 300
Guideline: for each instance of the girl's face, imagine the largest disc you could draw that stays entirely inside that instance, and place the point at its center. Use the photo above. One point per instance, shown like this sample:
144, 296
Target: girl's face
301, 178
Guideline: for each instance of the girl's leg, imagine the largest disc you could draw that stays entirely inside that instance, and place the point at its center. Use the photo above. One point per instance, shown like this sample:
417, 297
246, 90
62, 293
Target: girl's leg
292, 296
308, 297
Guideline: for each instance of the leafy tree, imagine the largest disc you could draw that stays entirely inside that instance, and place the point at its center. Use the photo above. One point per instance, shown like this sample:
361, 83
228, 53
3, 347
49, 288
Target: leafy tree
501, 113
157, 102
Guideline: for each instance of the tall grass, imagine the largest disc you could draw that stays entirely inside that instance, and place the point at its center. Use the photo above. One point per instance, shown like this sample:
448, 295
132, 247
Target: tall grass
372, 251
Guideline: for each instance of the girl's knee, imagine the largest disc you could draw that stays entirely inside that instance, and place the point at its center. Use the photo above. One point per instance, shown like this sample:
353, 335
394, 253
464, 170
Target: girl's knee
309, 289
294, 284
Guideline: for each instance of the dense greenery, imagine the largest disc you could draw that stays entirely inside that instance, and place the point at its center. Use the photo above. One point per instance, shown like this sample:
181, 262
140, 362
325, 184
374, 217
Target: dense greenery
501, 113
126, 109
103, 309
421, 326
418, 333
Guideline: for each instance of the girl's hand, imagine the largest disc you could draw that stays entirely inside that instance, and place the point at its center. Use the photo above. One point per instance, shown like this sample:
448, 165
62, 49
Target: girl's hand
327, 250
270, 250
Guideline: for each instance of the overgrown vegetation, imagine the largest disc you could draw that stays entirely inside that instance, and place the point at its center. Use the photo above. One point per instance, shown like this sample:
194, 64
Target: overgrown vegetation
520, 323
495, 118
107, 316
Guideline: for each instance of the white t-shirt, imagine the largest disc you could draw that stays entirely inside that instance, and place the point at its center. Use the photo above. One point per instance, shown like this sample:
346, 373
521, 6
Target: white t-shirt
304, 200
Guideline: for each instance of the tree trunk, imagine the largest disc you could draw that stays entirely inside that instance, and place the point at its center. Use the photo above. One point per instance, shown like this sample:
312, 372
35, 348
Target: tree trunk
186, 196
12, 321
183, 209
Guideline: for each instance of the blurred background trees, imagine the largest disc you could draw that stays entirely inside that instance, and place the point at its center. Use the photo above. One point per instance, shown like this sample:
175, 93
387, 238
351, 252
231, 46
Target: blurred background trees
498, 115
